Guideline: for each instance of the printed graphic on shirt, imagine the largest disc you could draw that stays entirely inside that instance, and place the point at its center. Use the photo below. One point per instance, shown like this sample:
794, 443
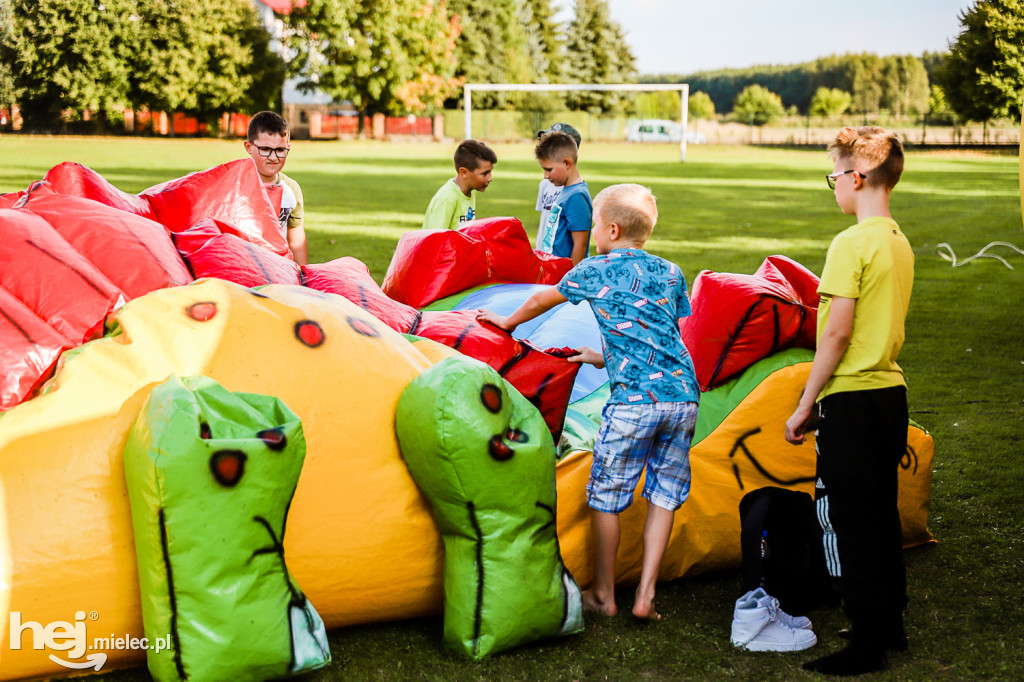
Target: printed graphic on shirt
638, 299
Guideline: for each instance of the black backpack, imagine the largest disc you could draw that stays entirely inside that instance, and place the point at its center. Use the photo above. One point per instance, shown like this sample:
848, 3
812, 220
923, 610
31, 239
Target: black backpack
793, 569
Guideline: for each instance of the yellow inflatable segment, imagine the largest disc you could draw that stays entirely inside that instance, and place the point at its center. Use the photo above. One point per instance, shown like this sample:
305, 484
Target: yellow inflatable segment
360, 541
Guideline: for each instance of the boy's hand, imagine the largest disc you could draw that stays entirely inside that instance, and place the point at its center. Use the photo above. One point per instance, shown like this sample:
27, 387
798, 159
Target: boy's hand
588, 355
494, 318
803, 419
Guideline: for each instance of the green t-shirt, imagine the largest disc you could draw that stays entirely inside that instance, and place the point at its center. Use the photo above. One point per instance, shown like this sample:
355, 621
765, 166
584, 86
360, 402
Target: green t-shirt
449, 208
873, 263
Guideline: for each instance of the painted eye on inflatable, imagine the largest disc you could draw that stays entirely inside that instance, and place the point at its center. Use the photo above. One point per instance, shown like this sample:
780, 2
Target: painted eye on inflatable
227, 467
309, 333
490, 396
202, 311
204, 431
517, 436
274, 438
499, 450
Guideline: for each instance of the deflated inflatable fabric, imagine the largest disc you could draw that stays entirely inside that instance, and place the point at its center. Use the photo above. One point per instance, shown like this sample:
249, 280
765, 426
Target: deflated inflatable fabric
11, 200
210, 477
431, 264
231, 193
135, 253
74, 179
48, 275
351, 278
738, 319
481, 455
208, 252
29, 349
805, 284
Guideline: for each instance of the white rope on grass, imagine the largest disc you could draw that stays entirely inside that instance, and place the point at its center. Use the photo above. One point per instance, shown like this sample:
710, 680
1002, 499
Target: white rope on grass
951, 256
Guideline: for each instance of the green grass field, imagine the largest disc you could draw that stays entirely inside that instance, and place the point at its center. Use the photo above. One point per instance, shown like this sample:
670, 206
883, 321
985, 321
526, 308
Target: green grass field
725, 209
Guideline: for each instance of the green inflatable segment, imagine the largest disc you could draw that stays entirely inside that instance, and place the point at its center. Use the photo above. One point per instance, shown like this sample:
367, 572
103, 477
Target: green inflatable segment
484, 459
210, 477
584, 416
449, 302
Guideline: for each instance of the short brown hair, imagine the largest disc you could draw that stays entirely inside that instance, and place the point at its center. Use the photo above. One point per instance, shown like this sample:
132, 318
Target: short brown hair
878, 149
470, 153
555, 146
268, 122
630, 206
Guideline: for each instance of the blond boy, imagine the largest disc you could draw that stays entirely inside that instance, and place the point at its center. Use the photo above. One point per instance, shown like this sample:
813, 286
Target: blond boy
638, 300
859, 395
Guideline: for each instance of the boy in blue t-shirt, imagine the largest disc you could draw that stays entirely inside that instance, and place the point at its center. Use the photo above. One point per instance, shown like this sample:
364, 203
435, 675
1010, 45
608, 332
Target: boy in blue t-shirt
638, 300
567, 230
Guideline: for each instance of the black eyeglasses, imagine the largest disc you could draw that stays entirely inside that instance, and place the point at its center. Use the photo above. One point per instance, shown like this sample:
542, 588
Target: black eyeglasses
281, 152
830, 178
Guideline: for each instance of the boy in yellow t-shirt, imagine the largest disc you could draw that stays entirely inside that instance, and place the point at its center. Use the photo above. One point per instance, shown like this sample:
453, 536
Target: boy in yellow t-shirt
860, 398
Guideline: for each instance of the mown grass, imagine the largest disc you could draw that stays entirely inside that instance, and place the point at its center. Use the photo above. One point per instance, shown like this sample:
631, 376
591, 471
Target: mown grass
725, 209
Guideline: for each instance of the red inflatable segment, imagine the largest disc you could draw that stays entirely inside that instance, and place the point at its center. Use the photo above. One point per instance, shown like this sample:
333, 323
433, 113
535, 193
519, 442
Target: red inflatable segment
349, 277
431, 264
77, 180
29, 349
231, 193
133, 252
210, 252
805, 283
545, 379
49, 276
10, 200
738, 319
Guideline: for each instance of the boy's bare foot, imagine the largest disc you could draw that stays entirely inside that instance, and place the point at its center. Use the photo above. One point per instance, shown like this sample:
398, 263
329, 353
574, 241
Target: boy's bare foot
643, 607
592, 603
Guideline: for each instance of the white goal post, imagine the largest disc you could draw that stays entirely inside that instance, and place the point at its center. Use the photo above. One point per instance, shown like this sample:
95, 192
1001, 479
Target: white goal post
682, 88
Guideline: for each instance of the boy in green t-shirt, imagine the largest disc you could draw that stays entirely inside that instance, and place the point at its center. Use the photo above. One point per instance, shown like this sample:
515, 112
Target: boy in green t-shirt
859, 396
455, 202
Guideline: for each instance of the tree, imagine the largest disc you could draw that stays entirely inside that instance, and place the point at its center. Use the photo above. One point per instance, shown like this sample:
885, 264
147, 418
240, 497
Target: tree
904, 83
829, 102
757, 105
597, 52
70, 55
7, 56
983, 76
700, 106
389, 56
494, 47
204, 57
867, 86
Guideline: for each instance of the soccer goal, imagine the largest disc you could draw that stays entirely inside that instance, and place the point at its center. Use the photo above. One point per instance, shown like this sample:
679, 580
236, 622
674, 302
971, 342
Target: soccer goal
682, 88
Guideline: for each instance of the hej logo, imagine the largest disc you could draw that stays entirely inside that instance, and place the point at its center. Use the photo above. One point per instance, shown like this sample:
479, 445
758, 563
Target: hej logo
59, 636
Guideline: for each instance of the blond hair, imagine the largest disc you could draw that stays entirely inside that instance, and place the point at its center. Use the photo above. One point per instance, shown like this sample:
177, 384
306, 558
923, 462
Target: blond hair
878, 151
630, 206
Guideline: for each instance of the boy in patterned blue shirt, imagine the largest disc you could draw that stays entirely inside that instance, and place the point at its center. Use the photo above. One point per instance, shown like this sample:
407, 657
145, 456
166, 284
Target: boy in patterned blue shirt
638, 300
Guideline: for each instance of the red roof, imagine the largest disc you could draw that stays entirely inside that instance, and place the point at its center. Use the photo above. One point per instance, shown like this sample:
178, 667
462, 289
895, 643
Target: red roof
283, 6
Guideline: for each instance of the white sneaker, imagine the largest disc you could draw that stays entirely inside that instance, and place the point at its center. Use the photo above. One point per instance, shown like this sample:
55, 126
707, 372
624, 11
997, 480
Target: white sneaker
756, 627
765, 599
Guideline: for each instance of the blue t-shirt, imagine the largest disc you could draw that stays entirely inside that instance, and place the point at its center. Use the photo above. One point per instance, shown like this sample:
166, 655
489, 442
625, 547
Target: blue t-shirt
638, 300
573, 212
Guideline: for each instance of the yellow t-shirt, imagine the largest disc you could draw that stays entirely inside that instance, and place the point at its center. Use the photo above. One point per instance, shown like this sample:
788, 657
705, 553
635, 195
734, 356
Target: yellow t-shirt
873, 263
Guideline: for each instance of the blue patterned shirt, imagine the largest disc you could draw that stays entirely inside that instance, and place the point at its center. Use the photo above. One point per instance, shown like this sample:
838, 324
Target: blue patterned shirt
638, 300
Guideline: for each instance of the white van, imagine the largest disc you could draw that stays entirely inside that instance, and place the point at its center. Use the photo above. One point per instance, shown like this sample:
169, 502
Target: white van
658, 130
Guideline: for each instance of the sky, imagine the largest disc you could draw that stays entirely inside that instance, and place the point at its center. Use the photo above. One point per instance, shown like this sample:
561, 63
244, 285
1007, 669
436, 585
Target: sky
685, 36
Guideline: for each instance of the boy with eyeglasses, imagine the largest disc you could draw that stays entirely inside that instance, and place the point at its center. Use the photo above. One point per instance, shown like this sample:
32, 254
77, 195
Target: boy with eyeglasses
268, 144
859, 396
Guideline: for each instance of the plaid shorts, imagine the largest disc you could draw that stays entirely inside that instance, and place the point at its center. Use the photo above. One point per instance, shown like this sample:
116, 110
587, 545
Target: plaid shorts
652, 435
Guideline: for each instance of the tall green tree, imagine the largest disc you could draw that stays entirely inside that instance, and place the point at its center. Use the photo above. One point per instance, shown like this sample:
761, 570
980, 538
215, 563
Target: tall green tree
7, 56
494, 47
829, 102
983, 76
544, 51
904, 82
757, 106
597, 53
389, 56
70, 55
204, 58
